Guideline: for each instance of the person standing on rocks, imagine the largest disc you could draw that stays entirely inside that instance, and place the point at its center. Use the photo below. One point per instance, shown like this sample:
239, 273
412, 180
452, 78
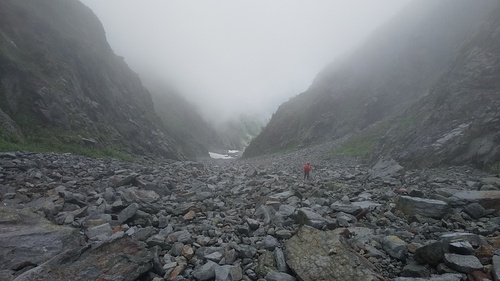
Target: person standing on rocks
307, 169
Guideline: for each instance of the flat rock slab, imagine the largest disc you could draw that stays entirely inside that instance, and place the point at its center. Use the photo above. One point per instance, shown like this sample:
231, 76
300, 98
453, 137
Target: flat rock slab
487, 199
462, 263
27, 238
496, 268
420, 206
316, 255
120, 259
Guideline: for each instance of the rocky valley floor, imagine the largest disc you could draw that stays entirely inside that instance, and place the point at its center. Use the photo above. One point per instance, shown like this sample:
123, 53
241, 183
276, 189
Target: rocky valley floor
68, 217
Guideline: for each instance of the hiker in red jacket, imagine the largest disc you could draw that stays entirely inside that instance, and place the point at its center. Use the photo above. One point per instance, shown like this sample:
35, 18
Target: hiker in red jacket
307, 169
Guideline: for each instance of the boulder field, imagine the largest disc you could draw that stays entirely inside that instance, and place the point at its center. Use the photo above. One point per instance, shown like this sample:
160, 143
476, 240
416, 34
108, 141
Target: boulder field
64, 216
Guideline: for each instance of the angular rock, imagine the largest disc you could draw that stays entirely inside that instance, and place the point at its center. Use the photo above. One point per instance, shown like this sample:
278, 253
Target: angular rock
415, 270
462, 263
385, 168
321, 255
266, 263
495, 181
100, 232
432, 253
346, 208
215, 256
496, 268
395, 247
121, 259
475, 210
308, 217
279, 276
228, 273
487, 199
244, 251
28, 239
128, 213
424, 207
270, 242
148, 200
205, 272
279, 257
461, 248
443, 277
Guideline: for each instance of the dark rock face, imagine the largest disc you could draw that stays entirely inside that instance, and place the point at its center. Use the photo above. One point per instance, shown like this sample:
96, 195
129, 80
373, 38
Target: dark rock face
423, 89
60, 79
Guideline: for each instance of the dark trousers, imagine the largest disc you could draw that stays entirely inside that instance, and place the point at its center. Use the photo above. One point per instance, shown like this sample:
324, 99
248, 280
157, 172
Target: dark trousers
306, 175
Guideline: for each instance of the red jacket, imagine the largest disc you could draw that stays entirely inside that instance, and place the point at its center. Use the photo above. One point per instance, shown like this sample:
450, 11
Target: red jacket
307, 168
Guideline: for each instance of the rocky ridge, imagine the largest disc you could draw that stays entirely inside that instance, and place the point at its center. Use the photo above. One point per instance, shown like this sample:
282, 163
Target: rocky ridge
61, 85
422, 89
101, 219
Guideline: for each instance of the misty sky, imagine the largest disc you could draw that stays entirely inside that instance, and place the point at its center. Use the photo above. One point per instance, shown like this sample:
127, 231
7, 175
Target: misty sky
238, 55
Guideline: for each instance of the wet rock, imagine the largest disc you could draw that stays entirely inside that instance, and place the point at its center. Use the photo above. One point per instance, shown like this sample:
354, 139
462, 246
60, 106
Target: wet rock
279, 257
487, 199
424, 207
228, 273
346, 208
462, 263
127, 213
475, 210
120, 259
443, 277
239, 220
496, 268
28, 239
432, 253
395, 247
148, 200
321, 255
266, 264
100, 232
415, 270
308, 217
385, 168
279, 276
205, 272
461, 248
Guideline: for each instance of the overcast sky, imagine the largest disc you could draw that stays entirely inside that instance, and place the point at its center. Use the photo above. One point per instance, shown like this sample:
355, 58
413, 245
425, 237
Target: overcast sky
232, 56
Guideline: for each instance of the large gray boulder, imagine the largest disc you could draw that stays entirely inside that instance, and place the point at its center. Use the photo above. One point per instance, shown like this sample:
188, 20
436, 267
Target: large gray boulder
395, 247
316, 255
28, 239
488, 199
306, 216
386, 168
420, 206
462, 263
120, 259
496, 268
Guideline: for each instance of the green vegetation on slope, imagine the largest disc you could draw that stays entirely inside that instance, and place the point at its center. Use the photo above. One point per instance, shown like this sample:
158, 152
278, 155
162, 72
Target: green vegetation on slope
47, 143
366, 141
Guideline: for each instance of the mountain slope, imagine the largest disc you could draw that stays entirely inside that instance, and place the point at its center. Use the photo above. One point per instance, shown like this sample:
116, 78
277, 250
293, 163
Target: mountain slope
392, 69
62, 85
185, 121
458, 121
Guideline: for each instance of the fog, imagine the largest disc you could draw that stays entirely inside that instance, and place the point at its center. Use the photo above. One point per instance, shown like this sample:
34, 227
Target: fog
238, 56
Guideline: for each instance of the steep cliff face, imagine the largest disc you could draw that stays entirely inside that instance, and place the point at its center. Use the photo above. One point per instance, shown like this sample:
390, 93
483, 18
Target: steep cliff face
396, 66
458, 121
60, 82
184, 121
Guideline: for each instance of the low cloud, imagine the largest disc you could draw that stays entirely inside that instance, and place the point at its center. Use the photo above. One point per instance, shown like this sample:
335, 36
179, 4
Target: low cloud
231, 57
